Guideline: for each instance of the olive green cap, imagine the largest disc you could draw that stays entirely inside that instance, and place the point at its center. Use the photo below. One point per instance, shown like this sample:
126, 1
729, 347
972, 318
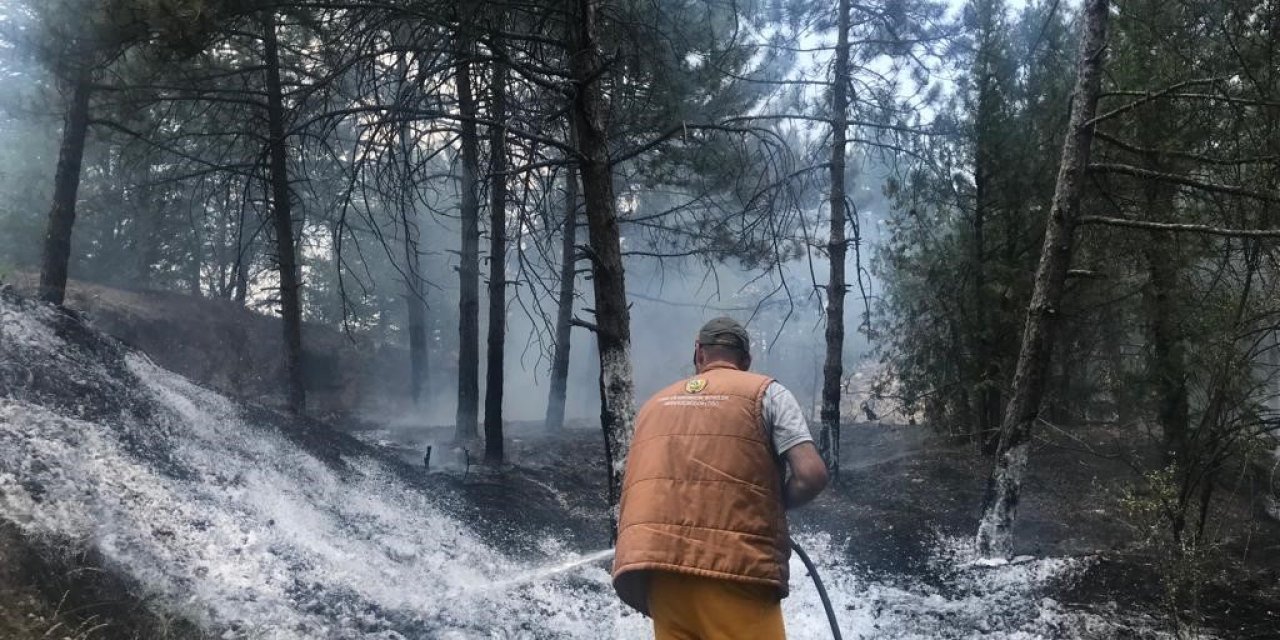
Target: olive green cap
725, 331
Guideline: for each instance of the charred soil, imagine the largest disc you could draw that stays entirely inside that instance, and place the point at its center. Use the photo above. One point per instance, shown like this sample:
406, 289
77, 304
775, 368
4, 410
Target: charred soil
901, 489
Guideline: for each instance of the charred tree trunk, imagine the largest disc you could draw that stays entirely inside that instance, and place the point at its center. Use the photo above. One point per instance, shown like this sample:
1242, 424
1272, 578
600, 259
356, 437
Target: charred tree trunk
195, 263
987, 411
247, 245
469, 263
66, 187
416, 298
282, 216
1168, 359
837, 246
1001, 503
244, 260
415, 285
613, 318
147, 243
564, 312
495, 366
983, 363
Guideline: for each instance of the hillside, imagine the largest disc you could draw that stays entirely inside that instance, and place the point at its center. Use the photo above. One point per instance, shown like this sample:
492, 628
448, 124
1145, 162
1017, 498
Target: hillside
204, 339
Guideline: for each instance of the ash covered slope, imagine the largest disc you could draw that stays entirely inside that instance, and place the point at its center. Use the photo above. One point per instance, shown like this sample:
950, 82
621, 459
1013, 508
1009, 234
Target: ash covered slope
221, 515
233, 525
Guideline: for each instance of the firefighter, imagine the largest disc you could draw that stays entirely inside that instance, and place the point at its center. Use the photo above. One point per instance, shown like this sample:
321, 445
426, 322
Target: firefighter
716, 461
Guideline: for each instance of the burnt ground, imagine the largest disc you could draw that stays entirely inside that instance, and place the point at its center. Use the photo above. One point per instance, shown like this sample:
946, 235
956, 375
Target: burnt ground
901, 488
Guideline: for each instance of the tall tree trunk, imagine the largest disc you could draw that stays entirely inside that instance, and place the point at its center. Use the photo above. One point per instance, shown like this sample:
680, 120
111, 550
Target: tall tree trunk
613, 318
837, 246
146, 245
995, 533
984, 378
246, 247
1168, 359
195, 263
987, 411
564, 308
469, 264
416, 300
988, 392
282, 216
495, 365
244, 260
415, 286
66, 187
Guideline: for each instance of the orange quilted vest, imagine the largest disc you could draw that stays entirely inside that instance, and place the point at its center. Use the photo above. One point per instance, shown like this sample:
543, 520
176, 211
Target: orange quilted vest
702, 491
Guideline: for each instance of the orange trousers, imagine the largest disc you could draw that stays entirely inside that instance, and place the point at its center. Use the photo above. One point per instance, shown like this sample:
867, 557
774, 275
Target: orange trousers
688, 607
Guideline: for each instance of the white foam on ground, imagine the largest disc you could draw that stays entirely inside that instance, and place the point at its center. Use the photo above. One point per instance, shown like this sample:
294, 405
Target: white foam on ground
23, 328
1008, 601
249, 535
256, 536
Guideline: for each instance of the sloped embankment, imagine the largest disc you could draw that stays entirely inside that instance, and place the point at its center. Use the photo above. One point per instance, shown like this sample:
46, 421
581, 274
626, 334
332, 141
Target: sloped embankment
203, 339
234, 525
242, 524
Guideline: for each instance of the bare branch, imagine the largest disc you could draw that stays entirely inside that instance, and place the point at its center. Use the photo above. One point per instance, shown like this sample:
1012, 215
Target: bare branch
1148, 97
1179, 227
1185, 181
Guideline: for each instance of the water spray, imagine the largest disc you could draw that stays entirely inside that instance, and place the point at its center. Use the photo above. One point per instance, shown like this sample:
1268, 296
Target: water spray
570, 565
547, 572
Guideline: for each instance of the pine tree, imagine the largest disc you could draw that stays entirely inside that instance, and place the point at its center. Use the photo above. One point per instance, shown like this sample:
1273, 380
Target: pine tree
994, 533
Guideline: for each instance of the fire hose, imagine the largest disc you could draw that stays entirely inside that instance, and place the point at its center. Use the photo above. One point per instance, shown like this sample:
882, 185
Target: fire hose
822, 591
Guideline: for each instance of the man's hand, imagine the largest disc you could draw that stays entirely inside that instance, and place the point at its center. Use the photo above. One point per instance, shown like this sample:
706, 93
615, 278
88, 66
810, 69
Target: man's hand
808, 475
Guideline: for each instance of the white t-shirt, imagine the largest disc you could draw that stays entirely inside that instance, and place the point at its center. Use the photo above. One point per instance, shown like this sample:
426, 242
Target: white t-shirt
783, 419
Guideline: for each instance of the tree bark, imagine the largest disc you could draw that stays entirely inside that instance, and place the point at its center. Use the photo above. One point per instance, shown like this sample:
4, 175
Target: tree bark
556, 398
66, 187
1168, 361
986, 427
416, 298
495, 369
469, 263
246, 248
987, 411
282, 216
837, 246
244, 260
147, 245
995, 532
415, 285
613, 318
1168, 364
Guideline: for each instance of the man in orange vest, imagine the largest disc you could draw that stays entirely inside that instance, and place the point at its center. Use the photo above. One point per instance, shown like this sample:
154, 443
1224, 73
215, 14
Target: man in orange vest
716, 461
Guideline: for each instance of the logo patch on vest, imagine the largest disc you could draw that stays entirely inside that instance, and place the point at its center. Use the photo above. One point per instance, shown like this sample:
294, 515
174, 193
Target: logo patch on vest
695, 385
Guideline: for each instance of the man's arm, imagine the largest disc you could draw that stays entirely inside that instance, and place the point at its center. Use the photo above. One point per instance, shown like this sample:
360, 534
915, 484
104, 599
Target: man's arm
808, 475
791, 438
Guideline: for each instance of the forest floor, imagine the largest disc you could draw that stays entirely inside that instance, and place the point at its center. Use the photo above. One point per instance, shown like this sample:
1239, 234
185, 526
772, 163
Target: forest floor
900, 490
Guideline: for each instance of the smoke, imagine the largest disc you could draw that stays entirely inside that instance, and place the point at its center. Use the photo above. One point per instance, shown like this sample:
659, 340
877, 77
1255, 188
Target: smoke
355, 267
